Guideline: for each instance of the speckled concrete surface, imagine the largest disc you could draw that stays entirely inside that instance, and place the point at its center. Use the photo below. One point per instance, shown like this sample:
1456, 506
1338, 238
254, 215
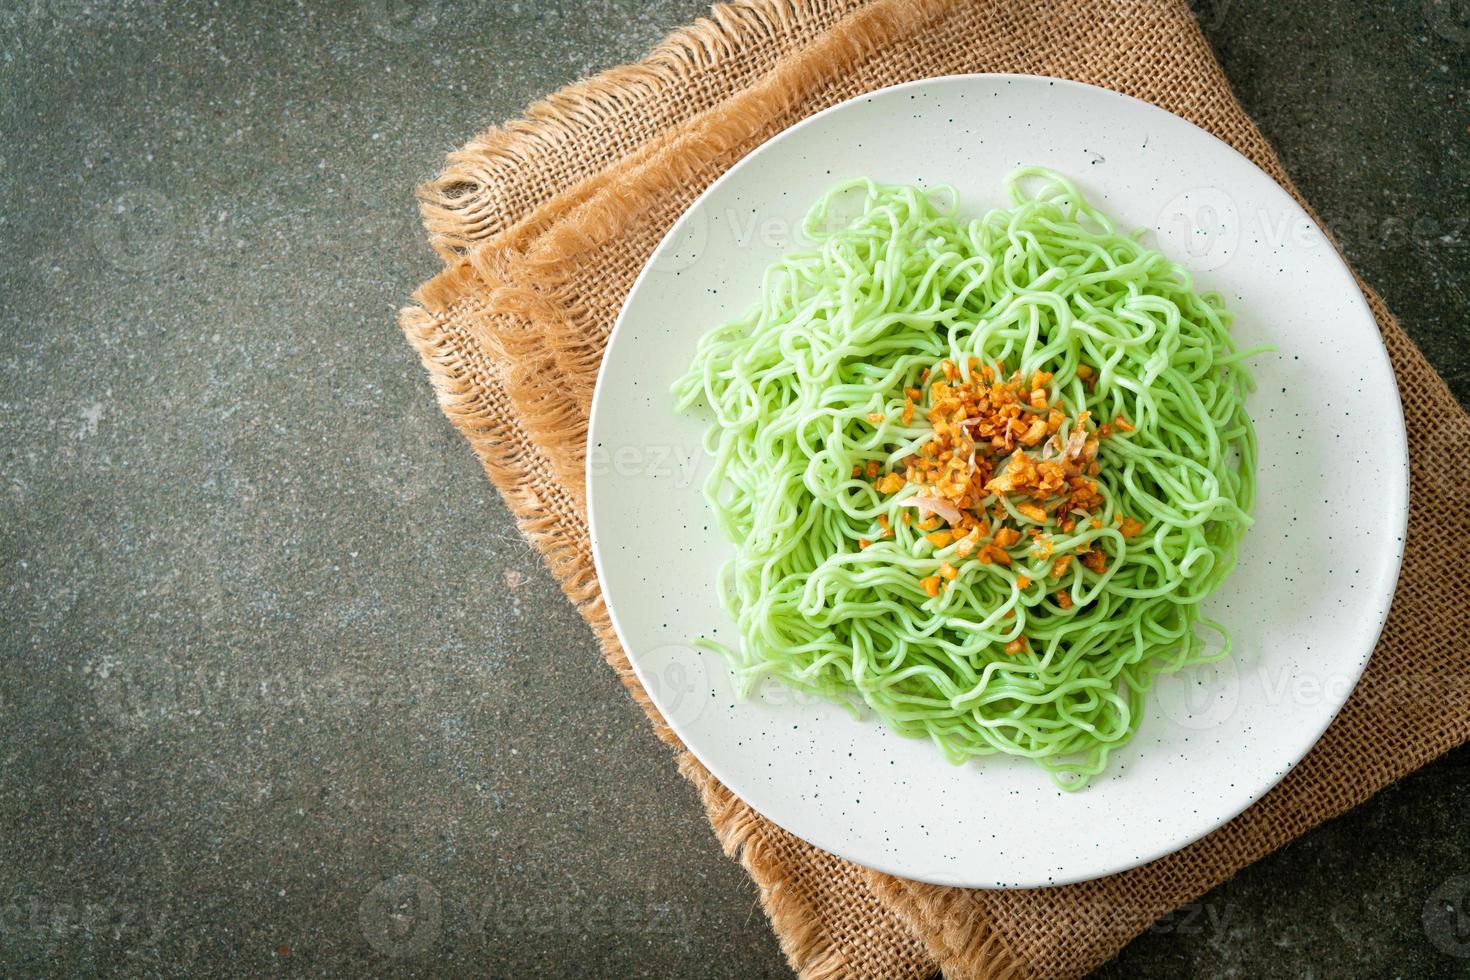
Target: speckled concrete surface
280, 688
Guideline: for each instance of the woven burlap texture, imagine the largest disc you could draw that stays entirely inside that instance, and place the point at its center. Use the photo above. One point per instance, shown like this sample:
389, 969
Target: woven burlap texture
545, 223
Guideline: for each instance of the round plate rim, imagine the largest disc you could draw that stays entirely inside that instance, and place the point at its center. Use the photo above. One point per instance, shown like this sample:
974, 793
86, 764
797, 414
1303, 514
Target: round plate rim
1398, 489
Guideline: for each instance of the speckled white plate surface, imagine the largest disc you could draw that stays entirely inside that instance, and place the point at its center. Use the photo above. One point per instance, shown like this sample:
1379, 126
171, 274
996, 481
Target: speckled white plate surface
1305, 604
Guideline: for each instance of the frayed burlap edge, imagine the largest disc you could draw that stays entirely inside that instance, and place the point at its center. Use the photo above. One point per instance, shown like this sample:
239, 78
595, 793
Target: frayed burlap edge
461, 207
587, 216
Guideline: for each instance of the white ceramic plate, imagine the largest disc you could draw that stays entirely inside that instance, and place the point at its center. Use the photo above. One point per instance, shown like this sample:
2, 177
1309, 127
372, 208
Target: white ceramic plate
1305, 604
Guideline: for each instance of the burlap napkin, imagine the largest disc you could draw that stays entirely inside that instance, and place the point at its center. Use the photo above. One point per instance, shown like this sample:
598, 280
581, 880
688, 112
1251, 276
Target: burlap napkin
544, 224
